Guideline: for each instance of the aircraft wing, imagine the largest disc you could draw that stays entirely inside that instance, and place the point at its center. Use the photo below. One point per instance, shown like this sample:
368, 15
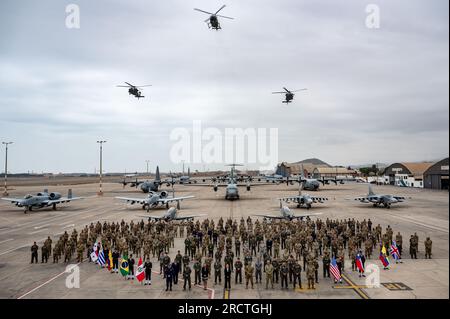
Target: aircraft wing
173, 199
152, 217
269, 216
399, 197
62, 200
13, 200
141, 201
188, 217
366, 199
318, 199
305, 215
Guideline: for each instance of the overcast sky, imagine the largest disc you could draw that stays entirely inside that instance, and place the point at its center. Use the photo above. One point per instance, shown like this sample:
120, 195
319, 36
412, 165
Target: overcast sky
374, 95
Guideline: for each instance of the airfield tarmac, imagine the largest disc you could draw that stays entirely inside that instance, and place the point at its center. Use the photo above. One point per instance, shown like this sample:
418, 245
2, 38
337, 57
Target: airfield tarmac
427, 213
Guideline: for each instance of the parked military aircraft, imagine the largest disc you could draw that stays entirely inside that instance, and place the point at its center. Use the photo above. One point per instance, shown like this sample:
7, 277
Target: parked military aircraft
41, 200
302, 200
172, 215
380, 200
155, 199
286, 214
312, 184
148, 185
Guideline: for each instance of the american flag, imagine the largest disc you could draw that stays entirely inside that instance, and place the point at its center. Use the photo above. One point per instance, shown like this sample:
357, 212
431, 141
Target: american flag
394, 251
334, 269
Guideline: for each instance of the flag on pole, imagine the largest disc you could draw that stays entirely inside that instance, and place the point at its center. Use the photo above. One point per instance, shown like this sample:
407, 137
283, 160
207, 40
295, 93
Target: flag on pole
384, 259
140, 274
335, 270
94, 254
101, 258
359, 263
394, 251
109, 261
124, 268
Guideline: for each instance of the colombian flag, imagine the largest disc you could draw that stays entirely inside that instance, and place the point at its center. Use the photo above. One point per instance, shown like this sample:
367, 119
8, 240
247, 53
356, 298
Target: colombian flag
124, 269
384, 259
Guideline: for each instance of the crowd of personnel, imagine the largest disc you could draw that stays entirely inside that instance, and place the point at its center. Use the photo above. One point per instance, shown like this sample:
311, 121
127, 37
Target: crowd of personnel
281, 250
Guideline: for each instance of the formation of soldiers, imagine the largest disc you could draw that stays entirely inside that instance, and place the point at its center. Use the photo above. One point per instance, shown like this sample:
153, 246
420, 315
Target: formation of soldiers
280, 250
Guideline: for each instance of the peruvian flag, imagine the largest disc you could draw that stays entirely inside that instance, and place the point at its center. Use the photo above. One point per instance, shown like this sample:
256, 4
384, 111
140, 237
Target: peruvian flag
140, 273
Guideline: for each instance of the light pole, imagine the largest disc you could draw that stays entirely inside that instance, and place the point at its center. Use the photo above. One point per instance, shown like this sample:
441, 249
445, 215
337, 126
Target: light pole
5, 193
147, 161
101, 163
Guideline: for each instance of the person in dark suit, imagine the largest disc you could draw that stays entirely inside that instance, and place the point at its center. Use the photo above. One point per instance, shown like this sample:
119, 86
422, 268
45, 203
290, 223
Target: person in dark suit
168, 272
205, 274
227, 275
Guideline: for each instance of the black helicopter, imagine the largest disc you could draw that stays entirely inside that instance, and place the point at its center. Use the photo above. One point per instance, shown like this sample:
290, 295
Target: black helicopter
289, 95
212, 21
133, 89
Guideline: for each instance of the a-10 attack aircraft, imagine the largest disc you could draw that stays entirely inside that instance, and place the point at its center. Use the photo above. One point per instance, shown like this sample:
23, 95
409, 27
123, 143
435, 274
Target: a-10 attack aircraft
147, 185
171, 215
286, 214
42, 200
380, 200
155, 199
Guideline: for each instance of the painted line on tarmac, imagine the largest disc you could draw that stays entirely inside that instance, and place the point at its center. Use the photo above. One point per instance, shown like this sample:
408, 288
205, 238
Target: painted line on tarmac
39, 227
43, 284
226, 294
17, 248
355, 287
415, 221
68, 226
37, 231
5, 241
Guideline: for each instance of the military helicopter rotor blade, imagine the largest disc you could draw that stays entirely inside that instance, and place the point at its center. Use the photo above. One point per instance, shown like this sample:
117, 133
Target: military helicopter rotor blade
122, 86
286, 90
204, 11
224, 16
142, 86
220, 9
278, 92
207, 20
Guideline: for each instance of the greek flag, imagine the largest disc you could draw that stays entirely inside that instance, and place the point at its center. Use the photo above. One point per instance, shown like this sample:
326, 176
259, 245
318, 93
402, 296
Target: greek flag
101, 258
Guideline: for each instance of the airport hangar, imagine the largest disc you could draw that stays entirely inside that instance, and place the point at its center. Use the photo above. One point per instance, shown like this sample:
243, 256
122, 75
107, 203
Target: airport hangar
436, 176
432, 175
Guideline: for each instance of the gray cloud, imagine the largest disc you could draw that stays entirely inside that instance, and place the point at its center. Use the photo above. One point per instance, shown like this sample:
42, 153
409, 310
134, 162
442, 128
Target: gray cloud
373, 95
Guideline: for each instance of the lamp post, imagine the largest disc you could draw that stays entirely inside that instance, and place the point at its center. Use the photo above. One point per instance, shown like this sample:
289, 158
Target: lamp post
5, 193
100, 193
147, 161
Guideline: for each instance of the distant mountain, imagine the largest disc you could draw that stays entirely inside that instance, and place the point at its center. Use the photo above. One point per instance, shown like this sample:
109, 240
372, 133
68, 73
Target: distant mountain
313, 161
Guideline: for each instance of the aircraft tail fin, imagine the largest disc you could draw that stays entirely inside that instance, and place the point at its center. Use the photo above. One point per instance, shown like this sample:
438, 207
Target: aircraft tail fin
371, 190
157, 176
69, 193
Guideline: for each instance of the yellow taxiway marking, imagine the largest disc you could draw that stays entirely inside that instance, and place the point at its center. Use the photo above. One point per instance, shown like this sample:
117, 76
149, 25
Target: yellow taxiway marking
357, 288
226, 294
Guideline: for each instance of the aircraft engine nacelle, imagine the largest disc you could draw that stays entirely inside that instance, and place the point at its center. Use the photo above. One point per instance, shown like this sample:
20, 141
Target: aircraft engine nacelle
216, 188
163, 194
248, 188
54, 195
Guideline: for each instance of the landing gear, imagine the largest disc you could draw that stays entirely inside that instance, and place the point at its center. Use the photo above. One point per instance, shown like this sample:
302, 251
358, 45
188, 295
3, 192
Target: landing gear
308, 206
54, 206
178, 205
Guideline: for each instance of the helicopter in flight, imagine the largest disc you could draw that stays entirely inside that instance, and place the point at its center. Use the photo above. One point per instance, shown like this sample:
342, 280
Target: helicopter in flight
212, 21
289, 94
133, 89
